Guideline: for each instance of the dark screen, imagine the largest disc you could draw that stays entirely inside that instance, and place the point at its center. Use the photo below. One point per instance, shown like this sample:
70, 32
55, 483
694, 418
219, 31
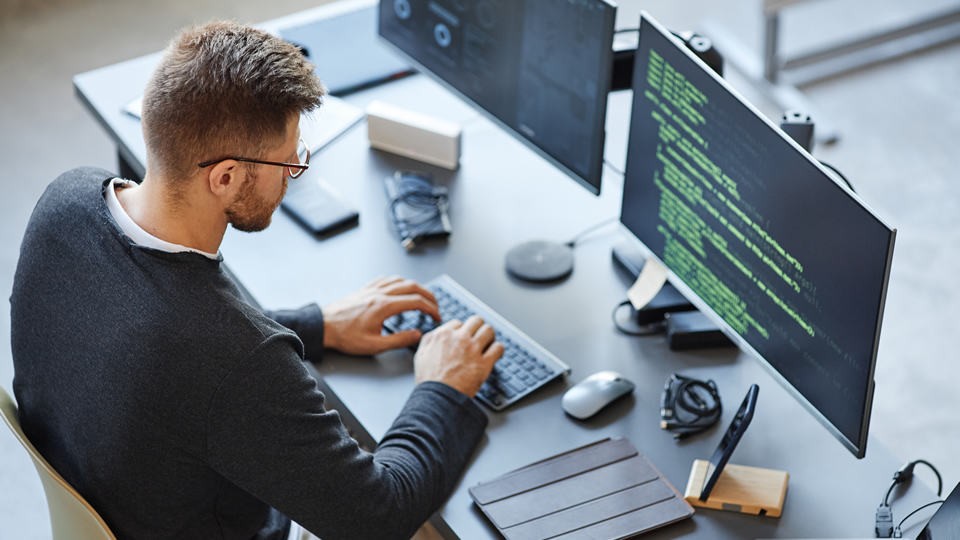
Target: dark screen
540, 67
789, 260
945, 524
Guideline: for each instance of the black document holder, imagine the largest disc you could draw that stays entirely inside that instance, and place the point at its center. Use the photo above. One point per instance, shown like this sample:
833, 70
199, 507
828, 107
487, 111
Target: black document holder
606, 489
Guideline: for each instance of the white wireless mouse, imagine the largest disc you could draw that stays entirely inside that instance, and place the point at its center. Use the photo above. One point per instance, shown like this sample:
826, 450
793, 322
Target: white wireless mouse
589, 396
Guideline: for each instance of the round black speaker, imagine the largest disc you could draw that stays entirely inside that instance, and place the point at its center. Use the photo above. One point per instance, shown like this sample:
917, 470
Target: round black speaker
540, 261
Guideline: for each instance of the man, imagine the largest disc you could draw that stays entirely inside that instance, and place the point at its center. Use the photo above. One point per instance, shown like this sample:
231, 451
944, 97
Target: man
175, 408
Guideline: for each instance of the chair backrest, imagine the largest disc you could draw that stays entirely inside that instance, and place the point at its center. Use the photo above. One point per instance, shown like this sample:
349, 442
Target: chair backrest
70, 515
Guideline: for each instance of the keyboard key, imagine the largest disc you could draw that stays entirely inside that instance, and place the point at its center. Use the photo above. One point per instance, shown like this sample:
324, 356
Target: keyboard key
514, 385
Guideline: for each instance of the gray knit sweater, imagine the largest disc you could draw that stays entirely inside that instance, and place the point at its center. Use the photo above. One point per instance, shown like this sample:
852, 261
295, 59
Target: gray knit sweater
180, 411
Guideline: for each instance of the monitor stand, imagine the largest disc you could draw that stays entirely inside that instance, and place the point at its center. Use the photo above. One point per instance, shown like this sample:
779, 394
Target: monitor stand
686, 328
669, 300
540, 261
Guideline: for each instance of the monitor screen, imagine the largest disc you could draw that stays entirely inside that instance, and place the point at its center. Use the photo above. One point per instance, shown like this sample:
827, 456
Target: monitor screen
368, 62
944, 524
789, 262
540, 68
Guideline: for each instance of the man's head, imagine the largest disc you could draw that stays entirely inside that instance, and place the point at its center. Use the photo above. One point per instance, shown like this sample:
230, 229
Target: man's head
224, 89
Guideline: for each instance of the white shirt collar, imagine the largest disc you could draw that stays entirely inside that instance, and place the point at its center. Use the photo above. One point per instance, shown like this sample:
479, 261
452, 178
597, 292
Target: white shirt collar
136, 233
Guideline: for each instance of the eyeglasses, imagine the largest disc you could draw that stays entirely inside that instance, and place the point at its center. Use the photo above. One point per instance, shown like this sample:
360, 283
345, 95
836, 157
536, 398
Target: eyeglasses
294, 170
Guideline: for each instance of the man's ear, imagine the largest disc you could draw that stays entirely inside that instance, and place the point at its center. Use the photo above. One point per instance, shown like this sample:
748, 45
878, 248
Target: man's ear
225, 177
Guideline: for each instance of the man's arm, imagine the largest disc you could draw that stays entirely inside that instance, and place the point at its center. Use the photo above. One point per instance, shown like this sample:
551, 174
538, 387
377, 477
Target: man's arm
271, 436
307, 323
354, 324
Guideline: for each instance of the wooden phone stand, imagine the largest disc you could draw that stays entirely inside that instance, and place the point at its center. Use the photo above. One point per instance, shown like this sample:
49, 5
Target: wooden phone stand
750, 490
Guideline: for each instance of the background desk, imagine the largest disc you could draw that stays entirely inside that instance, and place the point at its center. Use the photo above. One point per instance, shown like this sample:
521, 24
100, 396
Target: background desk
502, 194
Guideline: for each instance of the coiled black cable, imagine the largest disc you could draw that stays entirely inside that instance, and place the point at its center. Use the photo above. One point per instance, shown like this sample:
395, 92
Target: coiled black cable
689, 406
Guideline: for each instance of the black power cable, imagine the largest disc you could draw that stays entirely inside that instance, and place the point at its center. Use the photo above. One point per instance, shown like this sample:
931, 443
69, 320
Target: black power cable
623, 321
596, 226
689, 406
884, 518
898, 532
839, 175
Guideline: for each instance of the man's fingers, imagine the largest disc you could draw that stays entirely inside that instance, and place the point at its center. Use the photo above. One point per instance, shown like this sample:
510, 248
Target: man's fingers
404, 287
485, 335
385, 281
493, 353
472, 324
399, 304
452, 324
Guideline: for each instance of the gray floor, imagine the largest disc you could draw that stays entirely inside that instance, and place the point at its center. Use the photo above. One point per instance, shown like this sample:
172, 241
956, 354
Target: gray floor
901, 133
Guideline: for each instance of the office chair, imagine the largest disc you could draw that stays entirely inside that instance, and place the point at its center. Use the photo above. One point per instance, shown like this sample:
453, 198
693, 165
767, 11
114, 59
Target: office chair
71, 517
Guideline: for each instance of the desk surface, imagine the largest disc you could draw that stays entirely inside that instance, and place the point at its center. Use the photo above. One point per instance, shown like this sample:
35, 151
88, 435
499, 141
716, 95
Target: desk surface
502, 194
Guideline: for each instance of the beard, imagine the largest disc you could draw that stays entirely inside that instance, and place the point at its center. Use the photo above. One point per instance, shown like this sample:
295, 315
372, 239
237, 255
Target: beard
249, 212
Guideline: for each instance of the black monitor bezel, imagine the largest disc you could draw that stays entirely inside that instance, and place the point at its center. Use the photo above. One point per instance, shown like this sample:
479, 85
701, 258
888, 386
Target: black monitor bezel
592, 183
858, 448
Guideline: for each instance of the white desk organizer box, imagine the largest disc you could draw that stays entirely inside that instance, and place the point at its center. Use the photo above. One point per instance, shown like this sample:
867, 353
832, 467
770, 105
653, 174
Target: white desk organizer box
413, 135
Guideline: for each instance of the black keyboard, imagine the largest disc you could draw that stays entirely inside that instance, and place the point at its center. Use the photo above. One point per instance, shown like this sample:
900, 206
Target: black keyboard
525, 365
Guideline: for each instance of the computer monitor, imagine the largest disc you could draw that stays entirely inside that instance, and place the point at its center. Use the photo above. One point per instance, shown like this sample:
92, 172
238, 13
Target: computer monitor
944, 524
348, 24
756, 233
540, 68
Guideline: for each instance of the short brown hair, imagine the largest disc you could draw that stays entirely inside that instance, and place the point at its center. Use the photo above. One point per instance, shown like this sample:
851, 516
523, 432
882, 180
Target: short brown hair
223, 89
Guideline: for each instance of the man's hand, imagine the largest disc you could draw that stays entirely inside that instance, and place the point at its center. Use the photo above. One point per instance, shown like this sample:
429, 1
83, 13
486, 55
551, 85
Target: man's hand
354, 324
458, 354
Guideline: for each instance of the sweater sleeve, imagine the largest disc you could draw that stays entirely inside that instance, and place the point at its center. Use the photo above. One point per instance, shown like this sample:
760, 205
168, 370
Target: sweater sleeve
270, 434
307, 323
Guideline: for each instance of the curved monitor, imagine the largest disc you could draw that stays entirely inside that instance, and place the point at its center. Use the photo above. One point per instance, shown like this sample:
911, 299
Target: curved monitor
540, 68
757, 234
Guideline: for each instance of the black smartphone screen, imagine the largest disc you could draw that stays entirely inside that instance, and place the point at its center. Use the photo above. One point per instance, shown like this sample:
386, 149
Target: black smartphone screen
730, 439
315, 206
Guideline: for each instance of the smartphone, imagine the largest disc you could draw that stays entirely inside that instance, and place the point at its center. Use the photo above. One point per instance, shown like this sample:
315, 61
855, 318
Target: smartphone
730, 439
317, 207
